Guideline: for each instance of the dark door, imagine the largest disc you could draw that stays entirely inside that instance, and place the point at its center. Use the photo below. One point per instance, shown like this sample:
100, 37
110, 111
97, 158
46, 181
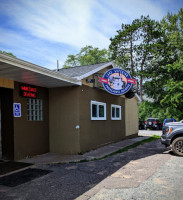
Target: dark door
7, 128
0, 133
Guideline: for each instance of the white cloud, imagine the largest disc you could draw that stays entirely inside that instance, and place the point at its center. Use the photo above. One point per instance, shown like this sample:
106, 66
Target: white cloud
68, 22
78, 22
43, 31
32, 49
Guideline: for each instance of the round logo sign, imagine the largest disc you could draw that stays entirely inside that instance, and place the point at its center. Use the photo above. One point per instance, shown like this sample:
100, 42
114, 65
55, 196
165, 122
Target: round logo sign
117, 81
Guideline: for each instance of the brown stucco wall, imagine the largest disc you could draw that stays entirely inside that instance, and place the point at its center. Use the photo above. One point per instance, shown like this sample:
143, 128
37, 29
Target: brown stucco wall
131, 116
97, 133
64, 116
31, 137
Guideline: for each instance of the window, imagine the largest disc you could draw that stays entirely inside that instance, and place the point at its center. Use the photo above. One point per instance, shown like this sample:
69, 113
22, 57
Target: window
115, 112
98, 110
34, 109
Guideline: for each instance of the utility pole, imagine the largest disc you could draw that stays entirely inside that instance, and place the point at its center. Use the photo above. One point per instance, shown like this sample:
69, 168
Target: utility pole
57, 65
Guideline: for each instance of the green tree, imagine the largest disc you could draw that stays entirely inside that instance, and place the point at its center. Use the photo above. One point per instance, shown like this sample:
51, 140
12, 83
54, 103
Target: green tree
88, 55
153, 109
166, 73
71, 61
8, 53
133, 46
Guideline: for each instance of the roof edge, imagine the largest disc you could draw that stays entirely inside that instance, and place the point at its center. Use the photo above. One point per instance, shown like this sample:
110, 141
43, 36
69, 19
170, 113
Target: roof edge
95, 70
36, 68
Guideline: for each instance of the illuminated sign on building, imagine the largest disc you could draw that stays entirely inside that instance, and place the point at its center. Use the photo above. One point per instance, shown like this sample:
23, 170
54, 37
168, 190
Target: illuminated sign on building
28, 91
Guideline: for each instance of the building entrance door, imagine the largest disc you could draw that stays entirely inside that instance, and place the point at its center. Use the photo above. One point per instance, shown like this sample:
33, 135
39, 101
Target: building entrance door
6, 124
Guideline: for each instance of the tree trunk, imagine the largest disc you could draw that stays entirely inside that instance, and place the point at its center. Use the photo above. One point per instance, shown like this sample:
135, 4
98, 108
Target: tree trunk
131, 55
141, 79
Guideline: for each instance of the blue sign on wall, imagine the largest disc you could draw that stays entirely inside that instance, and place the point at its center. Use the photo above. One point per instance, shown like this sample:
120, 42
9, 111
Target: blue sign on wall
17, 109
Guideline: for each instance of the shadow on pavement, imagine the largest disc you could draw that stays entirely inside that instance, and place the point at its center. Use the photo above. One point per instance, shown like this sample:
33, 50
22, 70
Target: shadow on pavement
83, 176
69, 181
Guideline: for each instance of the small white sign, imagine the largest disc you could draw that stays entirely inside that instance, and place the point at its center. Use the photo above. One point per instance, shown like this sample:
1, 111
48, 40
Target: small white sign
17, 109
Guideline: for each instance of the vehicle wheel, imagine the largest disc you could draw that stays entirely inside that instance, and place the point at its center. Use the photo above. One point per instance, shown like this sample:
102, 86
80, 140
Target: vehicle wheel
177, 146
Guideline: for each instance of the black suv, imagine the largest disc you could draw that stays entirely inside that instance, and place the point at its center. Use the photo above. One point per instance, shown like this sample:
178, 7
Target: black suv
141, 125
173, 136
153, 123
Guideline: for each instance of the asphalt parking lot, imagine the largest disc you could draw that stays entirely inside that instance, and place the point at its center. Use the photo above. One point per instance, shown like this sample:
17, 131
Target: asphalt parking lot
149, 171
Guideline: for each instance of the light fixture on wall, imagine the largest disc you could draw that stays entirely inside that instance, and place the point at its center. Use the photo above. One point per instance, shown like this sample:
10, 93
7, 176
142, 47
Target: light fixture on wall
88, 80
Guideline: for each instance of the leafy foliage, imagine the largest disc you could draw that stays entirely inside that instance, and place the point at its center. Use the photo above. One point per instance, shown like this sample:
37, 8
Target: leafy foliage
151, 109
133, 46
166, 73
88, 55
8, 53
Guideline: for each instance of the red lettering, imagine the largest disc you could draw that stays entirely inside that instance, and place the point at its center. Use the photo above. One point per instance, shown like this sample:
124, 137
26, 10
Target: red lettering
32, 89
24, 88
33, 95
29, 94
28, 89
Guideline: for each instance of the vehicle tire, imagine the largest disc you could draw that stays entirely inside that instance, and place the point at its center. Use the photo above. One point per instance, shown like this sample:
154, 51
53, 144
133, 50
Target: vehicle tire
177, 146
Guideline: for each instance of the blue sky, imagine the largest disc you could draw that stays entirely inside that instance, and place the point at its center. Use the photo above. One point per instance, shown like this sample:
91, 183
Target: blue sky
42, 31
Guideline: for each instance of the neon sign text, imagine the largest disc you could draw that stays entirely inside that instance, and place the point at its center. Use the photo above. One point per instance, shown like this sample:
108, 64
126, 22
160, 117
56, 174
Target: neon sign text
28, 91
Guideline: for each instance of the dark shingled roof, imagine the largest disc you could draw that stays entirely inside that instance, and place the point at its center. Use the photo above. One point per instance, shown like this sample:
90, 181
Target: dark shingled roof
80, 70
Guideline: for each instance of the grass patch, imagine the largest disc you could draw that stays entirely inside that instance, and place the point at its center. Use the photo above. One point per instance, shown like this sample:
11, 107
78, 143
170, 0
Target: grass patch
153, 138
136, 144
156, 136
84, 160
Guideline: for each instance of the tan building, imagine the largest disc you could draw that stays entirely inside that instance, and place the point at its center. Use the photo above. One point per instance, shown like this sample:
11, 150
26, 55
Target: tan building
65, 111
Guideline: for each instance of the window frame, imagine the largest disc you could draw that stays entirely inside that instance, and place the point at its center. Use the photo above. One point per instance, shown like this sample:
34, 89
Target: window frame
98, 104
116, 106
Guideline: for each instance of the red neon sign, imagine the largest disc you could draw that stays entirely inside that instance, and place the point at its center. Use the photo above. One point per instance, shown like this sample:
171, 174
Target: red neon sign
28, 91
28, 88
29, 94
